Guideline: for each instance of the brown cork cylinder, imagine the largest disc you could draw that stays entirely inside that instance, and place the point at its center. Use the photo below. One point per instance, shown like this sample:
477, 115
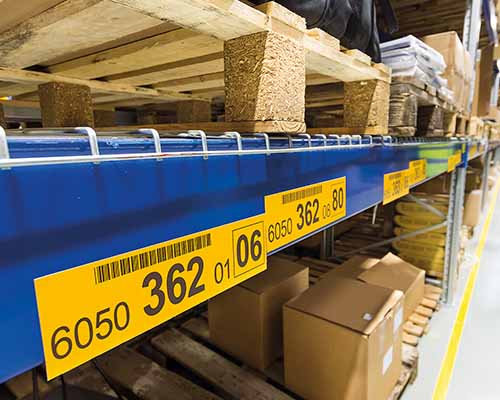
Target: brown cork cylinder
366, 104
194, 111
264, 78
65, 105
3, 123
104, 118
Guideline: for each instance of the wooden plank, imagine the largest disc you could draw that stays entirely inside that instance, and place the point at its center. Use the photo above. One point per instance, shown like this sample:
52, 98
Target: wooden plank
432, 296
198, 327
14, 12
220, 372
88, 377
429, 303
188, 68
224, 20
424, 311
410, 339
433, 289
369, 130
168, 47
148, 380
243, 126
22, 385
419, 320
29, 79
193, 83
413, 329
71, 25
227, 20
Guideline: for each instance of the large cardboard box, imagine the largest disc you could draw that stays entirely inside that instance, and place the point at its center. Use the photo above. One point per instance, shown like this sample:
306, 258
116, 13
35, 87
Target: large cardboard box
472, 208
394, 273
342, 340
355, 266
453, 52
390, 272
246, 321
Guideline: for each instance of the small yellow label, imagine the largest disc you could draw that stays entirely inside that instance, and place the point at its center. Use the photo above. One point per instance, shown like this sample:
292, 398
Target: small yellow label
454, 160
473, 151
90, 309
292, 214
418, 171
396, 185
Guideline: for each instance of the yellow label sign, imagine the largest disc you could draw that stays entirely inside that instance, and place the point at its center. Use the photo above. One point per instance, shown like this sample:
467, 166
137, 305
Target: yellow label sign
473, 150
87, 310
396, 185
417, 171
454, 160
295, 213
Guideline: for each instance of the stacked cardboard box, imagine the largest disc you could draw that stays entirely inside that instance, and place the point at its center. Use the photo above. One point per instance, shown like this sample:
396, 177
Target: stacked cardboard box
459, 67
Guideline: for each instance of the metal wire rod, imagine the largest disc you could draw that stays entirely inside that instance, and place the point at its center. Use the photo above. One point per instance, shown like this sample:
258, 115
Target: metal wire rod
400, 237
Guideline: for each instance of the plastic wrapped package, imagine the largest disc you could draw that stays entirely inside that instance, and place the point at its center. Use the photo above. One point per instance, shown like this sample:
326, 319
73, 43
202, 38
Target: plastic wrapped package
409, 56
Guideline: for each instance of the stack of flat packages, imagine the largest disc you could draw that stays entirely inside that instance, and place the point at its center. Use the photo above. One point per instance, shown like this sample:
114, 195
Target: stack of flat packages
427, 250
410, 57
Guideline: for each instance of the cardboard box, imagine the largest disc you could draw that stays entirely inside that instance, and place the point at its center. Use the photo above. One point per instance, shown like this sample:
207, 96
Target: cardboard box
354, 266
453, 52
342, 340
246, 321
394, 273
472, 208
390, 272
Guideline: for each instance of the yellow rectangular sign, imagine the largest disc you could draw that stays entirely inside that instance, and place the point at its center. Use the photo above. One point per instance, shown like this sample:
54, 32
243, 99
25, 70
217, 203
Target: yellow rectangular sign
396, 185
87, 310
473, 150
292, 214
454, 160
418, 171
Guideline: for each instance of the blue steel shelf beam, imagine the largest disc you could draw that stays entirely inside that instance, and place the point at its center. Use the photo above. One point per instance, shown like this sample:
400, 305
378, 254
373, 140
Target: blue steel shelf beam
70, 197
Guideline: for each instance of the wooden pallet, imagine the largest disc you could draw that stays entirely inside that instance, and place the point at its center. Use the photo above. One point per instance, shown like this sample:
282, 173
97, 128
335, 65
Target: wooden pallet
257, 60
417, 108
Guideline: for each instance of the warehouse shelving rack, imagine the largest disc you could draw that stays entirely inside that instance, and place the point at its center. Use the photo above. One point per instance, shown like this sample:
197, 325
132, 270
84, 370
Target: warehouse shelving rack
73, 196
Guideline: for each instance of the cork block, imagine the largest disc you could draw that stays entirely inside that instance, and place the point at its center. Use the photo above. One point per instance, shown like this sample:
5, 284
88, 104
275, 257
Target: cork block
65, 105
194, 111
147, 117
104, 118
264, 78
403, 110
430, 119
366, 104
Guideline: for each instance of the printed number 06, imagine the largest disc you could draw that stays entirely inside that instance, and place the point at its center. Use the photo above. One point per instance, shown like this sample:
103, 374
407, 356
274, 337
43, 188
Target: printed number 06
246, 249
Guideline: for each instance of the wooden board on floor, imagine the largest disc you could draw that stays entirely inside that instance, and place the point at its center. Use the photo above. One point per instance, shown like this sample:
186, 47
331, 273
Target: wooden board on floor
215, 369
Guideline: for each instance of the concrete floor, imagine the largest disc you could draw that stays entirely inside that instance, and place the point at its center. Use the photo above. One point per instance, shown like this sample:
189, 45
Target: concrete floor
477, 365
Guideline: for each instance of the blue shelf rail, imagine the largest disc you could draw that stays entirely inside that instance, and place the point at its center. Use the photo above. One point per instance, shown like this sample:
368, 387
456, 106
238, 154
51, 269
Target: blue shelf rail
71, 196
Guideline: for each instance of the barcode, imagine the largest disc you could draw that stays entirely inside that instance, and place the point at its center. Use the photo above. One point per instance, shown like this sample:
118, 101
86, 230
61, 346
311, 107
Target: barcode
301, 194
126, 265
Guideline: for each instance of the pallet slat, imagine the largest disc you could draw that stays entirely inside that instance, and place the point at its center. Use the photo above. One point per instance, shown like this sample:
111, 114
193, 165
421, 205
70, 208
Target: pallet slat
220, 372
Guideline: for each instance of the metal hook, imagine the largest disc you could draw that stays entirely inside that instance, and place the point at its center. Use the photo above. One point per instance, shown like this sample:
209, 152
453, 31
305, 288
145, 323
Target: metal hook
384, 137
348, 137
237, 136
203, 136
156, 137
307, 136
4, 147
266, 139
94, 147
359, 139
370, 139
336, 137
321, 136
